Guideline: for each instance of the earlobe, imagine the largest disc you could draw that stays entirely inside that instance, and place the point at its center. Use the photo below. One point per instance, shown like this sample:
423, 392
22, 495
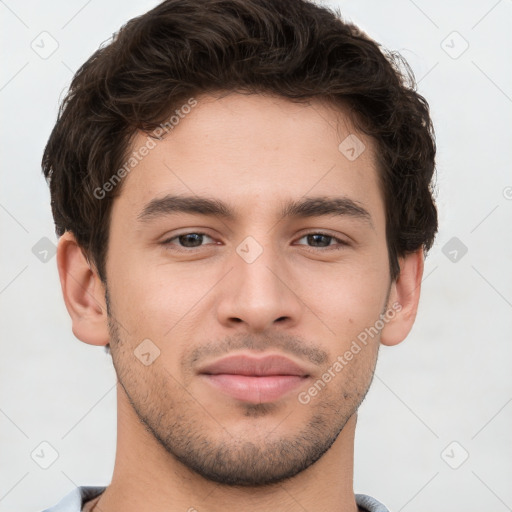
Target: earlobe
83, 291
403, 299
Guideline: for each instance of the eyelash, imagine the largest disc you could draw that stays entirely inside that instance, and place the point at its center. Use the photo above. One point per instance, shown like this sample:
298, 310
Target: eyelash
341, 243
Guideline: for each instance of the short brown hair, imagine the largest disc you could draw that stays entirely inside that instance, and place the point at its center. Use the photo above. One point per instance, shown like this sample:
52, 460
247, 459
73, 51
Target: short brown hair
292, 48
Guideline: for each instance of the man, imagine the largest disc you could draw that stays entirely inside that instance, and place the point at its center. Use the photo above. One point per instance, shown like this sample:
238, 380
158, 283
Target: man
243, 194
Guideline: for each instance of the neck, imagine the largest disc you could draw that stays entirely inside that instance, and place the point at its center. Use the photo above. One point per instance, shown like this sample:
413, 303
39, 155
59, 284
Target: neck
146, 477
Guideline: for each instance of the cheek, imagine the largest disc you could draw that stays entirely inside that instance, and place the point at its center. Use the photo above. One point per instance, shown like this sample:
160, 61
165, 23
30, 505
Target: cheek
349, 298
157, 301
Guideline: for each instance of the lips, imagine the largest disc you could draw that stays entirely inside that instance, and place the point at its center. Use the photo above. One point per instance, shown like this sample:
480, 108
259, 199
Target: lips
256, 367
254, 379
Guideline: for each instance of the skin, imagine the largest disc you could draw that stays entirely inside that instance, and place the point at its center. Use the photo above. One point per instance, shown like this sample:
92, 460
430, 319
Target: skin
182, 444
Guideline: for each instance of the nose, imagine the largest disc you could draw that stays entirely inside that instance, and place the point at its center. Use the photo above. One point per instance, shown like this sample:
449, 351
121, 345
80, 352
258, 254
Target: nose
258, 294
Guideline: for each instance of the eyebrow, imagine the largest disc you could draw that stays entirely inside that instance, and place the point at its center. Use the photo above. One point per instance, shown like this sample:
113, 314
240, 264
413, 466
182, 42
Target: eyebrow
303, 208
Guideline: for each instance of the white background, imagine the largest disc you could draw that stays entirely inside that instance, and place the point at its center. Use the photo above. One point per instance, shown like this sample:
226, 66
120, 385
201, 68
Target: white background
450, 381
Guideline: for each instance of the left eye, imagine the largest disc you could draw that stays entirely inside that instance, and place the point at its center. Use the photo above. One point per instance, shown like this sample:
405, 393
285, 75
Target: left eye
321, 240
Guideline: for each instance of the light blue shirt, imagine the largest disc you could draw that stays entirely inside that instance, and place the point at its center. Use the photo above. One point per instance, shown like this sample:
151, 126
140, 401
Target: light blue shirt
75, 500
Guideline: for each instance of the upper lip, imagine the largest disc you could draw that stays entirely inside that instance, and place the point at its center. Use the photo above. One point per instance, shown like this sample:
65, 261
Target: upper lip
255, 366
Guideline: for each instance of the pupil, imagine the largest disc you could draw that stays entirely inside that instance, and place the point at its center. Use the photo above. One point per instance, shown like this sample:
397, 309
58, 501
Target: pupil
316, 238
193, 237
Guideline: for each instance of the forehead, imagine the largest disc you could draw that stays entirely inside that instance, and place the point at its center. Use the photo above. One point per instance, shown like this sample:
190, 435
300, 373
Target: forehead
245, 148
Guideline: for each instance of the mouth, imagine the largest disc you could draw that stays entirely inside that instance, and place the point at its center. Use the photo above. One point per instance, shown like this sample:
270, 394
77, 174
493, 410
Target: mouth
254, 379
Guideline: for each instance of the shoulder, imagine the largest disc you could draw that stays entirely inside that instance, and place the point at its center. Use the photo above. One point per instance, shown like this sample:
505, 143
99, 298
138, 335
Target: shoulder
368, 504
74, 501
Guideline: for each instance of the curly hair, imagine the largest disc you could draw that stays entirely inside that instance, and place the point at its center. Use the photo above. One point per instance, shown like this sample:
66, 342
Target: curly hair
292, 48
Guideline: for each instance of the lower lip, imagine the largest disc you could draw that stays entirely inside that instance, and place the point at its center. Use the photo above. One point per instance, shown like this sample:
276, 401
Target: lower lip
255, 389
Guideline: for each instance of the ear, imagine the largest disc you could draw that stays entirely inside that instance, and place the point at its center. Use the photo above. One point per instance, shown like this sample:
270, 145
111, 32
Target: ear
83, 291
403, 299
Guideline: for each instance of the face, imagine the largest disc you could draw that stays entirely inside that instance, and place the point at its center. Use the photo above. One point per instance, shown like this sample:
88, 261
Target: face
247, 253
